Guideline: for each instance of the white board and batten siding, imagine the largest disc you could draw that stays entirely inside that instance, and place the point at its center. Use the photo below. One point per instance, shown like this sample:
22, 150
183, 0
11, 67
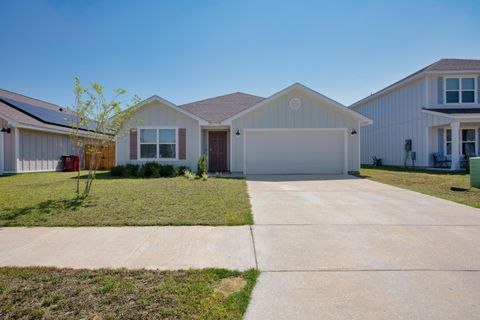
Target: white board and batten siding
319, 130
397, 116
37, 151
156, 115
42, 151
8, 148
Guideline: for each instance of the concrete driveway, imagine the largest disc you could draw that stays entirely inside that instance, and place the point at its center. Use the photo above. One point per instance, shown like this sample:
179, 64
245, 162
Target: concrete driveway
339, 247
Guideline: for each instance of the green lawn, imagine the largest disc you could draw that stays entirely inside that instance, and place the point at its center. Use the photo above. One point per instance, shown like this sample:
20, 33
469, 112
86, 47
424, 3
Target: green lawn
49, 293
434, 183
47, 199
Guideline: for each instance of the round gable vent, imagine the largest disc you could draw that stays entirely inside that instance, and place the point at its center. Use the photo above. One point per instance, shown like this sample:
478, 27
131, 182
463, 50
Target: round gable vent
295, 103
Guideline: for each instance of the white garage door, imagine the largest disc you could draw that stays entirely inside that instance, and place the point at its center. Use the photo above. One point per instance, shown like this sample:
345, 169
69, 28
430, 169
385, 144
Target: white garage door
294, 151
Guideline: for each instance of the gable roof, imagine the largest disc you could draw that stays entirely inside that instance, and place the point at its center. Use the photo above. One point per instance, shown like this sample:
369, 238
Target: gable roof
311, 92
23, 119
169, 104
218, 109
442, 65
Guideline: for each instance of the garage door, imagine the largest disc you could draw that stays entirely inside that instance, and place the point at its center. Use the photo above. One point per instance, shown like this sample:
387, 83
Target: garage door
294, 151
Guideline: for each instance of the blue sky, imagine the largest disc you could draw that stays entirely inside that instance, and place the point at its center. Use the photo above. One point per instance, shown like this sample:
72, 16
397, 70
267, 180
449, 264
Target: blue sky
190, 50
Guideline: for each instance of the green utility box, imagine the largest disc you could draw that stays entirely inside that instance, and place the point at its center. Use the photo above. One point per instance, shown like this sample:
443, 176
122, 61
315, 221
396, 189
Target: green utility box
475, 172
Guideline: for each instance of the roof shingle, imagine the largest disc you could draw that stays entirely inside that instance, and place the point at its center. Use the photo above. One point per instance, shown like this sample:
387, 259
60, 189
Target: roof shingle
218, 109
454, 64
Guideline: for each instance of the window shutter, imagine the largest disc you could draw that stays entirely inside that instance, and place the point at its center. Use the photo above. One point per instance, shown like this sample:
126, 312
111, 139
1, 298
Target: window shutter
440, 90
182, 143
133, 144
440, 141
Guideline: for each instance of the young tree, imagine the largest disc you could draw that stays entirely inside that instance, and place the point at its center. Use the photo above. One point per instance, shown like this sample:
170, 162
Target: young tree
96, 122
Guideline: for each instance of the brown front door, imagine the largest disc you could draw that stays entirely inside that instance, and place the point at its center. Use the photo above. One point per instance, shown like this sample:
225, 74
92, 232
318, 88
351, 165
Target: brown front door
217, 151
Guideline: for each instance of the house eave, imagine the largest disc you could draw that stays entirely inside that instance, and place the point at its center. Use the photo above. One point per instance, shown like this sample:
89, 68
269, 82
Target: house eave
364, 120
423, 74
153, 98
457, 117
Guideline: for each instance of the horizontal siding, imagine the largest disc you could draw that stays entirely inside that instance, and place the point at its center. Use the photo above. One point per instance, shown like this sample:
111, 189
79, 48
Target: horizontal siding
398, 116
278, 114
42, 151
158, 114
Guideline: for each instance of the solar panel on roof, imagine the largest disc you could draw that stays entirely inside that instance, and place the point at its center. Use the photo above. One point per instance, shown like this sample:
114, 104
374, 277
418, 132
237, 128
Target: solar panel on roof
45, 115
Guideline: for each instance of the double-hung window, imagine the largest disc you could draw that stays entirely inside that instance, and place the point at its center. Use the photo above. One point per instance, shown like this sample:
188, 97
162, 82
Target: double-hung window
469, 141
158, 143
148, 143
460, 90
448, 141
167, 143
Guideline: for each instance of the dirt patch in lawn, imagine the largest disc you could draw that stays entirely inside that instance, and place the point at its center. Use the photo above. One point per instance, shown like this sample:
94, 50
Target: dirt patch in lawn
228, 286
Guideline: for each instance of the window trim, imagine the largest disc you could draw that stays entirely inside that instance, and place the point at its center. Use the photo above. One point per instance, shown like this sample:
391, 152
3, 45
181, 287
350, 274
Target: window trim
475, 142
445, 142
460, 89
460, 140
157, 143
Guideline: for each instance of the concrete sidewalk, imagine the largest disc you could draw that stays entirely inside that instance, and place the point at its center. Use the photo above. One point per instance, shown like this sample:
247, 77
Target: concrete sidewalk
129, 247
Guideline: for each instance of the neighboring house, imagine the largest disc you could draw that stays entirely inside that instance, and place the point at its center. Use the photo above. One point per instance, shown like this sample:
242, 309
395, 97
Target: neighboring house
33, 134
437, 108
294, 131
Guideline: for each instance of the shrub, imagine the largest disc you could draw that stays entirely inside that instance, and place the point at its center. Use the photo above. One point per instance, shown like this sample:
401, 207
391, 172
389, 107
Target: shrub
202, 165
148, 170
180, 171
204, 176
151, 169
117, 171
189, 175
131, 170
167, 171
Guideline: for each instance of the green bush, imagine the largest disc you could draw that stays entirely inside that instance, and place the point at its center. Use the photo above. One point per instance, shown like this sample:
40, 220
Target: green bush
167, 171
189, 175
117, 171
180, 171
151, 169
202, 165
131, 170
148, 170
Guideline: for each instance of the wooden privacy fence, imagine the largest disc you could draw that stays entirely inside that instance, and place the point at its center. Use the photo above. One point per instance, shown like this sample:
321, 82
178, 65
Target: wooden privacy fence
106, 156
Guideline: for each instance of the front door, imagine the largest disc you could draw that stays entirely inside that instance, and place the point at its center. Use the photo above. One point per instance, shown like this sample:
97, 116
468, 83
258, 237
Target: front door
217, 151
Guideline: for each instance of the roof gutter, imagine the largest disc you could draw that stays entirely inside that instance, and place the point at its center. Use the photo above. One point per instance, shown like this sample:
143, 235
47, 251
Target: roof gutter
454, 116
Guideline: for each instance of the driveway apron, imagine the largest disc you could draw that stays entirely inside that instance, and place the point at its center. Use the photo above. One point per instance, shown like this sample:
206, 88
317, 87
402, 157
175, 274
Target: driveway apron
341, 247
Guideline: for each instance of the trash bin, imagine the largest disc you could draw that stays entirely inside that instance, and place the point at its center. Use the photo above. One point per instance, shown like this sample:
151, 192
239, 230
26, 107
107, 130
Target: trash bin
76, 163
71, 163
475, 172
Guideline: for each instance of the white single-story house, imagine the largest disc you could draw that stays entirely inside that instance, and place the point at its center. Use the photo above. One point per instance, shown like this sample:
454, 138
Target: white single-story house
33, 134
436, 109
295, 131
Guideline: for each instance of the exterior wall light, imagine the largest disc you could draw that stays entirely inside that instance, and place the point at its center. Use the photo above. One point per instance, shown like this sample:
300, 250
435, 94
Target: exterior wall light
6, 130
237, 133
353, 132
